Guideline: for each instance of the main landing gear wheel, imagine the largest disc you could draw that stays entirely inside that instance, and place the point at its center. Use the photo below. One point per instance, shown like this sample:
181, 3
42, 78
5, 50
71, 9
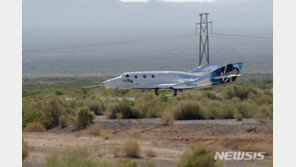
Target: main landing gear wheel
156, 92
175, 92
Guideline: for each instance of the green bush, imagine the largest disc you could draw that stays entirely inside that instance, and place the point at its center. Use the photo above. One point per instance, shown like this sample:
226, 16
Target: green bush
131, 149
264, 99
239, 91
265, 111
149, 105
250, 148
197, 157
85, 117
34, 127
32, 115
53, 111
94, 130
228, 110
97, 107
212, 108
63, 121
125, 163
146, 163
210, 95
73, 157
125, 108
167, 118
188, 110
247, 109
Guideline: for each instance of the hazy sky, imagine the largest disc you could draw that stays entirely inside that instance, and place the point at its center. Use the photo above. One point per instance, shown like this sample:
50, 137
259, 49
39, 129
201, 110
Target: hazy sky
144, 13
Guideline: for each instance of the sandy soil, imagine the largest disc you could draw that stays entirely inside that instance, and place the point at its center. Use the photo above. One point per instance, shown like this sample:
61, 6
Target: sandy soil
169, 142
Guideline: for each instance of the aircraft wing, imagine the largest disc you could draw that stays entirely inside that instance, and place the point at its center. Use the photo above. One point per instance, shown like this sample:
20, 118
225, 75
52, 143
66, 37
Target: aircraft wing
159, 86
205, 68
224, 74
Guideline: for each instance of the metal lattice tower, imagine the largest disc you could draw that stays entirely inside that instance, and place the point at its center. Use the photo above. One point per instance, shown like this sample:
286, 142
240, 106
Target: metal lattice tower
204, 50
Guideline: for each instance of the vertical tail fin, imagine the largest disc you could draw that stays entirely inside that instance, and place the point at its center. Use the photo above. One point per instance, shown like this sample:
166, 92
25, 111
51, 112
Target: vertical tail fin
224, 74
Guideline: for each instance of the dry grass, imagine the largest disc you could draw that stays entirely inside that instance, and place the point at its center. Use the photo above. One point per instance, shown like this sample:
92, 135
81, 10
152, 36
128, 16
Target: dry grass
150, 153
267, 148
105, 135
34, 127
135, 133
25, 149
131, 149
167, 118
117, 152
250, 148
94, 130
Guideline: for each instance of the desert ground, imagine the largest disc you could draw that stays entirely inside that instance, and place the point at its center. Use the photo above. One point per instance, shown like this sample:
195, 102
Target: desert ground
168, 141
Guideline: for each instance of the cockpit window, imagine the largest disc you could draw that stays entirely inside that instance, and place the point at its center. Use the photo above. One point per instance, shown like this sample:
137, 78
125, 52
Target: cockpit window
152, 76
126, 75
136, 76
144, 76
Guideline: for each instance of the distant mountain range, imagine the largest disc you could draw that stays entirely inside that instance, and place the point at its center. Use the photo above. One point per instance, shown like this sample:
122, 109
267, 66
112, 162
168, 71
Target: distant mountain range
113, 13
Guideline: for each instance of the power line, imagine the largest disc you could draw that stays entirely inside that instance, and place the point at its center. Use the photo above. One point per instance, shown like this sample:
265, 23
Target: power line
220, 35
111, 43
243, 39
243, 36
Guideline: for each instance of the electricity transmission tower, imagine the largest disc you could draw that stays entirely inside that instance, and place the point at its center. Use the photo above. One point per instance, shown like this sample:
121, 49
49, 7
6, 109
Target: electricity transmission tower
204, 50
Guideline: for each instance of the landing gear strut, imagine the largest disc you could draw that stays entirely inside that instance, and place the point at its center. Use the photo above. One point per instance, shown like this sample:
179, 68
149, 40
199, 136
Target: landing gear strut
175, 92
156, 92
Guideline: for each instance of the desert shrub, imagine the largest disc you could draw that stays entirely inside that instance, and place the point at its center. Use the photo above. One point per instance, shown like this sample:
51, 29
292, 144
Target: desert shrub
167, 118
74, 157
53, 111
125, 108
239, 91
105, 135
264, 99
149, 105
72, 119
25, 149
238, 116
29, 116
265, 111
34, 127
197, 156
131, 149
97, 107
63, 120
188, 110
120, 162
250, 148
210, 95
247, 109
228, 110
163, 98
59, 92
94, 130
85, 117
222, 142
116, 150
184, 96
150, 153
135, 133
212, 108
125, 163
146, 163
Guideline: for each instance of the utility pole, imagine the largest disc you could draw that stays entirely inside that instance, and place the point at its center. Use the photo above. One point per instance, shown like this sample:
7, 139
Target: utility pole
204, 49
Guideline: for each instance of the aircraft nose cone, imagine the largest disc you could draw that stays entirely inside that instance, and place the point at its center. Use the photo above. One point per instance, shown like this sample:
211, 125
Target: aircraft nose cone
103, 83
